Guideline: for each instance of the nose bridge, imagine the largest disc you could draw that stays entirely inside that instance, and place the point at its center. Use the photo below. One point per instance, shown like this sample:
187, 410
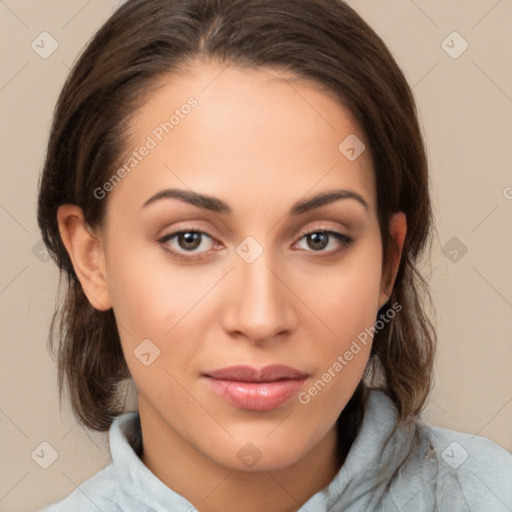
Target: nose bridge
261, 307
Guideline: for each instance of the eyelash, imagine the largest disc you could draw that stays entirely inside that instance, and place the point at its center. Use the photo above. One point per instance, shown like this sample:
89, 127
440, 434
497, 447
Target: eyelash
344, 240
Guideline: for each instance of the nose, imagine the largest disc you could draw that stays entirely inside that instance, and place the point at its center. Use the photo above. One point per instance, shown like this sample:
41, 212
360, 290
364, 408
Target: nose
261, 307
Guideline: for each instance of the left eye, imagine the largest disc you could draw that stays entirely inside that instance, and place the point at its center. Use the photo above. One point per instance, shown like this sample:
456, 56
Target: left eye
319, 240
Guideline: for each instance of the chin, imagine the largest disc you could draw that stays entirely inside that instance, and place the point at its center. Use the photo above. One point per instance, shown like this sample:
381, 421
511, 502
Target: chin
256, 454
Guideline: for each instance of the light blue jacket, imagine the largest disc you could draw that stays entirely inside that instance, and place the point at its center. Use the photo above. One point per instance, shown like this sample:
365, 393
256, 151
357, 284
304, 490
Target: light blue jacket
419, 469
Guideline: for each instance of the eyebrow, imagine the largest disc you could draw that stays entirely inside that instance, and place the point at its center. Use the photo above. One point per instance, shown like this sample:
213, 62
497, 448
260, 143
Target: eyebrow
217, 205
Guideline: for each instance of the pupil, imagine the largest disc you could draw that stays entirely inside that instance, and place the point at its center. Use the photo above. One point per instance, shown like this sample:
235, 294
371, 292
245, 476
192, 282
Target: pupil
319, 240
190, 240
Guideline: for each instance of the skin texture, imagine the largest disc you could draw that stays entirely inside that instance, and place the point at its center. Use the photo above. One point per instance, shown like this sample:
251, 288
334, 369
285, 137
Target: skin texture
260, 143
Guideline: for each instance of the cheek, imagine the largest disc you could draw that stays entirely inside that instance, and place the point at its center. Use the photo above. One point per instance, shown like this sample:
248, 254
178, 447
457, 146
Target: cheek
349, 309
346, 300
346, 295
154, 299
146, 307
149, 293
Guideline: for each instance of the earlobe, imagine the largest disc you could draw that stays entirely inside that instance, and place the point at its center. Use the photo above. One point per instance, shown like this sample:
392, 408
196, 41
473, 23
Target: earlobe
86, 253
398, 230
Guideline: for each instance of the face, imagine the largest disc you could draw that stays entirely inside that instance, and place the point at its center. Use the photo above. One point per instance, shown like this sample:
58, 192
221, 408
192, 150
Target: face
216, 255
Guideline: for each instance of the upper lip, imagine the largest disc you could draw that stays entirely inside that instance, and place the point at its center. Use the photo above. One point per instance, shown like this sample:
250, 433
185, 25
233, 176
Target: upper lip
243, 373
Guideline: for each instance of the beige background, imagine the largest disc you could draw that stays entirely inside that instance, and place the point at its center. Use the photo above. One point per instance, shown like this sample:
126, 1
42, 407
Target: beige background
466, 111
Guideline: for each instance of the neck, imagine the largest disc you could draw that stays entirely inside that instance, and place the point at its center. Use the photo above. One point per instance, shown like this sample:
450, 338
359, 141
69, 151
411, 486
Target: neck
212, 487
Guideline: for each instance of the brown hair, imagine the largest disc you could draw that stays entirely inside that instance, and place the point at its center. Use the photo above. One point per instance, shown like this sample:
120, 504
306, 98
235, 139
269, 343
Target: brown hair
322, 41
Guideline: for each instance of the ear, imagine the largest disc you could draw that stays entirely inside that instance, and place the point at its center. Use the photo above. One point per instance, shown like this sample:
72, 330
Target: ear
397, 229
86, 252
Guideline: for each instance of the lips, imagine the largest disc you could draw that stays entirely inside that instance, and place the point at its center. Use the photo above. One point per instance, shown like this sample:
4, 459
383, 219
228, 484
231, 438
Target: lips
248, 374
248, 388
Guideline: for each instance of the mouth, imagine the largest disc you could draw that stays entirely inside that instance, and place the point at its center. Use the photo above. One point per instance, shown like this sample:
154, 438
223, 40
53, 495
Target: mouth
251, 389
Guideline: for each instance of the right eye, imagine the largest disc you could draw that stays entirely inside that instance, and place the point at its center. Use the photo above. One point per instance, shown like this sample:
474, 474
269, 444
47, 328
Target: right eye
186, 241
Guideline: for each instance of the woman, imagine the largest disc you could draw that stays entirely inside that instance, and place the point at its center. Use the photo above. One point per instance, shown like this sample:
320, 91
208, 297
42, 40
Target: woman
237, 193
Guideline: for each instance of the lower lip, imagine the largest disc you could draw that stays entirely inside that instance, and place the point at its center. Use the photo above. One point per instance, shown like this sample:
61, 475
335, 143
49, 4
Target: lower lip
256, 396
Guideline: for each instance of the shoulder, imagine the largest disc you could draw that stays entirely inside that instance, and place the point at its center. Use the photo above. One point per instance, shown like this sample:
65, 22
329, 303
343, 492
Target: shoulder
455, 471
97, 493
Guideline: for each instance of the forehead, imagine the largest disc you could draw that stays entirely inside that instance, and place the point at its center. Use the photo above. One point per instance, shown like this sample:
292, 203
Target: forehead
257, 133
